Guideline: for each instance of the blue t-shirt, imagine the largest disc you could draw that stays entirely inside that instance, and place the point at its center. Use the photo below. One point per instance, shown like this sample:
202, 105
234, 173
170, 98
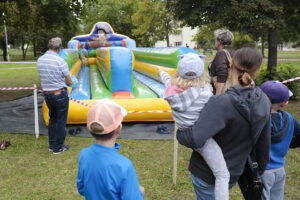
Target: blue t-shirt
103, 173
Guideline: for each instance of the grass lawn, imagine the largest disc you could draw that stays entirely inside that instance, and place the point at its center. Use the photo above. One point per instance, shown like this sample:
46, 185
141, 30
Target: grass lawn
17, 78
288, 54
16, 55
29, 171
280, 55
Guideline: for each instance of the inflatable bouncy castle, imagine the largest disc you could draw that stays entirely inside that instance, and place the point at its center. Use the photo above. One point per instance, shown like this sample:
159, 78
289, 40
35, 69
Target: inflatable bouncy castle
117, 70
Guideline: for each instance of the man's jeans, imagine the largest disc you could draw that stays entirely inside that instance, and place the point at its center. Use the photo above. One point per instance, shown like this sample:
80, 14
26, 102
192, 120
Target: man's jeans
58, 112
203, 190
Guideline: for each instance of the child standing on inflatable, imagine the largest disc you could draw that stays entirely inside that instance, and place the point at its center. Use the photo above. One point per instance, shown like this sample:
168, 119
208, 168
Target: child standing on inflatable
187, 92
83, 54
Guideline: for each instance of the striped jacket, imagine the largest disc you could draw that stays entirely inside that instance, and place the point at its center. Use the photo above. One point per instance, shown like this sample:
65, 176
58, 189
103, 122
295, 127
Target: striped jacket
186, 105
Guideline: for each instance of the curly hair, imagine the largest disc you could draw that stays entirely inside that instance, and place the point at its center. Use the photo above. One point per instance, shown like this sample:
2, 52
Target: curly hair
224, 36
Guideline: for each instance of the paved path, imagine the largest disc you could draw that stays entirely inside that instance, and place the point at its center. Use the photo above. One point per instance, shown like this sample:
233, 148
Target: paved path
14, 68
265, 59
17, 62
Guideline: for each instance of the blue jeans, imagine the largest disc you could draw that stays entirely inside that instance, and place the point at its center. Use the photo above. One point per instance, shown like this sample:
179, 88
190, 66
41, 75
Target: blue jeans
58, 112
203, 190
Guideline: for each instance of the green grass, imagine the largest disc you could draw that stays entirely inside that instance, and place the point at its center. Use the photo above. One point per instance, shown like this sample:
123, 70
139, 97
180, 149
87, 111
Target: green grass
16, 55
288, 54
17, 65
29, 171
17, 78
280, 54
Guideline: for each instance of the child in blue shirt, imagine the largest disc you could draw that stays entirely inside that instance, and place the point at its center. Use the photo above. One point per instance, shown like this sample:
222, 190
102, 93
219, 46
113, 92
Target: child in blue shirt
103, 173
285, 133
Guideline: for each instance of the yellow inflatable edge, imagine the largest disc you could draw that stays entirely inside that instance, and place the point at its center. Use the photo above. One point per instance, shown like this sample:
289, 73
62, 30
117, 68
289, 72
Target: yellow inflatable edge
151, 109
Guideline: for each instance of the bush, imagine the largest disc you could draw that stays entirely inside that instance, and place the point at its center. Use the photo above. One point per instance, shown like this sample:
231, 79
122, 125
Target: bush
282, 72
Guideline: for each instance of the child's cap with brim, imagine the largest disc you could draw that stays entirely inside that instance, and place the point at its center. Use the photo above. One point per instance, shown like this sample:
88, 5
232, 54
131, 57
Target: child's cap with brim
276, 91
106, 113
190, 62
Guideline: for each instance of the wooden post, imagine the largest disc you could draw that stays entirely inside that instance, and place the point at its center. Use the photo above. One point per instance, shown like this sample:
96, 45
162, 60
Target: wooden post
175, 155
36, 116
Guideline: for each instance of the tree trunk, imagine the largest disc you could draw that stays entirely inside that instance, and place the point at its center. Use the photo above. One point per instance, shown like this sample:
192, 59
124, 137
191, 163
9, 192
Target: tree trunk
272, 49
167, 32
4, 51
23, 49
34, 48
263, 46
167, 38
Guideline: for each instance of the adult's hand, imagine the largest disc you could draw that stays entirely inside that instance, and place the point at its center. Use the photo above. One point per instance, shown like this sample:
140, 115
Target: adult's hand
68, 80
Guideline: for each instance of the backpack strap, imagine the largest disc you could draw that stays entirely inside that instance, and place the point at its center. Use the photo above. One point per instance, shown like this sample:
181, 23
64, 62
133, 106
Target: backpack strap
228, 56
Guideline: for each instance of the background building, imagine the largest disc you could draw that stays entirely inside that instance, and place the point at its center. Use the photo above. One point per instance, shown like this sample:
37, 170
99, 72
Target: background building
183, 38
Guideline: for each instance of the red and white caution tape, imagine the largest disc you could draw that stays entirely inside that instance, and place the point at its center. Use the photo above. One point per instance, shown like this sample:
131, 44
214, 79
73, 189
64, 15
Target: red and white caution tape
18, 88
150, 111
80, 102
291, 80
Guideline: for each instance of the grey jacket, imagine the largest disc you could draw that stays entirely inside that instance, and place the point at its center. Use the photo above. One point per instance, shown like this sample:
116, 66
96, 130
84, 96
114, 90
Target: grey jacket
230, 118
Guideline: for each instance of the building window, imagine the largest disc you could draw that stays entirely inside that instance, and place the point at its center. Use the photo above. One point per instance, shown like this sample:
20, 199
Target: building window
178, 44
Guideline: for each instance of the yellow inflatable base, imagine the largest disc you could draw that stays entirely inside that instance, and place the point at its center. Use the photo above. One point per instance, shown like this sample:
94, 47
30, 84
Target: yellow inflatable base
150, 109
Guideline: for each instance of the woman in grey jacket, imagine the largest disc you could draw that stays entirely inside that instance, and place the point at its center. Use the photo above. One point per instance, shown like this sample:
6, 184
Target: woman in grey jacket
230, 118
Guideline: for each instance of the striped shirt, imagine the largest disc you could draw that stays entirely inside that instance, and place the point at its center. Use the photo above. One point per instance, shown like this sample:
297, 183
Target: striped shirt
186, 105
52, 70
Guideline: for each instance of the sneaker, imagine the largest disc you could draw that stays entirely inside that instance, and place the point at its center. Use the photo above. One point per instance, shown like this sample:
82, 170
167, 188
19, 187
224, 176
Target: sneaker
51, 150
63, 149
162, 130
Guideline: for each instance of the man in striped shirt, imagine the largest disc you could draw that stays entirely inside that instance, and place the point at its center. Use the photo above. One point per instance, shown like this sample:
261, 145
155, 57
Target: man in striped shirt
55, 76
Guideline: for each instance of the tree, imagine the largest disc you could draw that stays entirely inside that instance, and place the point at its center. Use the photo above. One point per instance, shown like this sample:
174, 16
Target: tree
117, 13
36, 21
55, 18
154, 21
205, 38
5, 10
249, 16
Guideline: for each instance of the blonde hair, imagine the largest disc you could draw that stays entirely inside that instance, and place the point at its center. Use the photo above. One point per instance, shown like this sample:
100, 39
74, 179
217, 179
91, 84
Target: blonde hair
247, 61
186, 83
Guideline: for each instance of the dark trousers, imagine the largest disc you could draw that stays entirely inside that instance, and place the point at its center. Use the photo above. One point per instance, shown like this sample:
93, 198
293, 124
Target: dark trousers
58, 112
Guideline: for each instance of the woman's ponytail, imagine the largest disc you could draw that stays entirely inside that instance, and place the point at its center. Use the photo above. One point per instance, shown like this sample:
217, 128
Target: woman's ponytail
245, 79
247, 61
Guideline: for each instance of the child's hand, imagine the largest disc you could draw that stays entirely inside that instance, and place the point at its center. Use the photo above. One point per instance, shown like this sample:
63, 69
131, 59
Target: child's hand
142, 189
160, 71
74, 81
